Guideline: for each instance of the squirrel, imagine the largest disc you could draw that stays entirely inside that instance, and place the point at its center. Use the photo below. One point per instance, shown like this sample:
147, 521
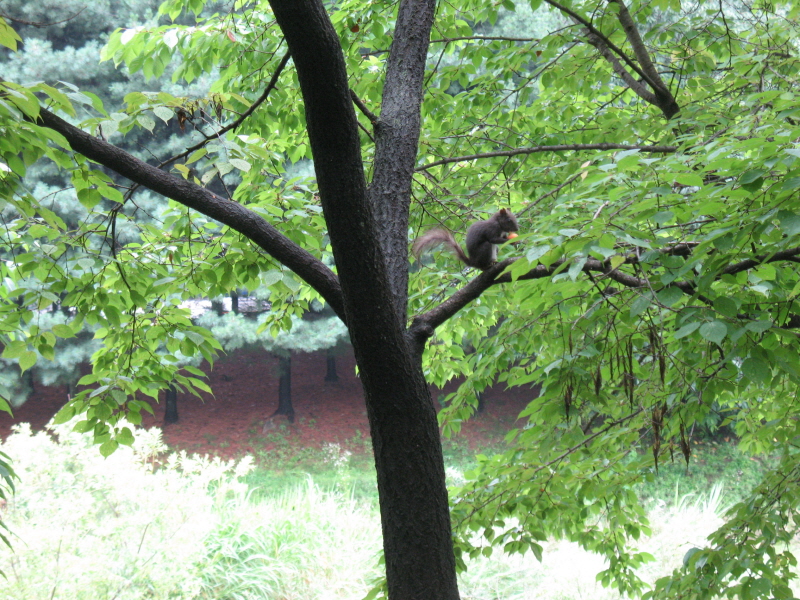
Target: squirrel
482, 240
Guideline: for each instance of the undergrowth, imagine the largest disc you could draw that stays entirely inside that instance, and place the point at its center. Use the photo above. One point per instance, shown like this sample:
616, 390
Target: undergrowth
144, 524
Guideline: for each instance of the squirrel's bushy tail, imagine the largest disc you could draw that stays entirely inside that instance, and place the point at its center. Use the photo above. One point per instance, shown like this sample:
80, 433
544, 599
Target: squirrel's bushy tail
434, 237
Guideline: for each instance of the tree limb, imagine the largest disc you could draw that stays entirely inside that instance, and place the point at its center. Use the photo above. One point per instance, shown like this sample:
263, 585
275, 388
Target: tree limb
592, 29
312, 270
423, 326
373, 118
397, 141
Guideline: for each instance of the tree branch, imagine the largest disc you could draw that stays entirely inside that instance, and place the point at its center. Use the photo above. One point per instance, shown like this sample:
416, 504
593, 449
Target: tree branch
423, 326
638, 87
557, 148
639, 50
664, 98
397, 141
373, 118
234, 215
592, 29
491, 38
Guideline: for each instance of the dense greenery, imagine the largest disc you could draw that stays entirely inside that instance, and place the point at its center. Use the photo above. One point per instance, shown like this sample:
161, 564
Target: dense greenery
650, 152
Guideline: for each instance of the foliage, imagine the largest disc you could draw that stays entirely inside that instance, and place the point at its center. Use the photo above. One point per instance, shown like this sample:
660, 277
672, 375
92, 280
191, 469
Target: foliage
650, 152
91, 527
182, 527
234, 331
144, 524
295, 552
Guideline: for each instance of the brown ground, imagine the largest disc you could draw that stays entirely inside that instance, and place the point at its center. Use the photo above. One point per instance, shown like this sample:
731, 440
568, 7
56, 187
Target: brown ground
245, 388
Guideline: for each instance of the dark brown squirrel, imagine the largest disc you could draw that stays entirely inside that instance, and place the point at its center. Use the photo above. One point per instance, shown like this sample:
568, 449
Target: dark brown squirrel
482, 240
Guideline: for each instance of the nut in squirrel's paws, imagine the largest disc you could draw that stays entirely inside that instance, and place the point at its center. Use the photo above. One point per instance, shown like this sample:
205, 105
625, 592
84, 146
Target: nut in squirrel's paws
512, 235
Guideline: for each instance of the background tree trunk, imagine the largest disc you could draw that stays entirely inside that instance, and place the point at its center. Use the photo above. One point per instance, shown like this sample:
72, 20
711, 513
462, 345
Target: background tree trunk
285, 388
330, 359
171, 405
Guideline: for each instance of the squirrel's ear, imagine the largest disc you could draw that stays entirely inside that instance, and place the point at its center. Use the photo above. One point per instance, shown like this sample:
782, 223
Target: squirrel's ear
504, 211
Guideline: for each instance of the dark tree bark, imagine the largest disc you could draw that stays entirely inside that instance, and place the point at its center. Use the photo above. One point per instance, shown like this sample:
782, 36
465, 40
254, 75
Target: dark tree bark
27, 377
171, 405
372, 265
285, 388
481, 402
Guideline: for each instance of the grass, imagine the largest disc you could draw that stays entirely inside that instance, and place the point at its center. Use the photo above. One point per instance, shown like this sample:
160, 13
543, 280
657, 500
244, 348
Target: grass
299, 526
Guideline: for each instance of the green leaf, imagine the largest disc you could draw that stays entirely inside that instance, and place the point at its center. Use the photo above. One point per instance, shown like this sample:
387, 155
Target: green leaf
714, 331
108, 447
756, 370
792, 183
125, 436
15, 349
65, 414
725, 306
27, 360
669, 295
690, 179
240, 164
8, 37
163, 113
758, 326
641, 303
89, 197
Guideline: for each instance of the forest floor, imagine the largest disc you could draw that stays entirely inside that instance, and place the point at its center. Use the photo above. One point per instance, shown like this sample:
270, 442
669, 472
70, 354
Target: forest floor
236, 420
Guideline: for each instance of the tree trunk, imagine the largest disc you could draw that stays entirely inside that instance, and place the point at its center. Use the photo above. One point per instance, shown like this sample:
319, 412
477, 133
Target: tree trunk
369, 237
285, 388
171, 405
27, 377
415, 515
331, 374
481, 402
235, 302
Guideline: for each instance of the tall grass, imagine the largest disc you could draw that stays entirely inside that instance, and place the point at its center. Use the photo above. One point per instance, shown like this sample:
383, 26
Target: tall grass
303, 543
127, 527
144, 525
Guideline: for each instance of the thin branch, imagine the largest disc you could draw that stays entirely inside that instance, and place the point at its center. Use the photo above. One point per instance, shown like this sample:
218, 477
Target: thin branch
490, 38
551, 192
556, 148
38, 24
261, 99
373, 118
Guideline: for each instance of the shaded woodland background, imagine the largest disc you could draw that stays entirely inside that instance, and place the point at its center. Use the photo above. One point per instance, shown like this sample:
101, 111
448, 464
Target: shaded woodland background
238, 418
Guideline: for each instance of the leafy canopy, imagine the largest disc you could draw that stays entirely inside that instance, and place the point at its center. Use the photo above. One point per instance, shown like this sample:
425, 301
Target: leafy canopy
650, 152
